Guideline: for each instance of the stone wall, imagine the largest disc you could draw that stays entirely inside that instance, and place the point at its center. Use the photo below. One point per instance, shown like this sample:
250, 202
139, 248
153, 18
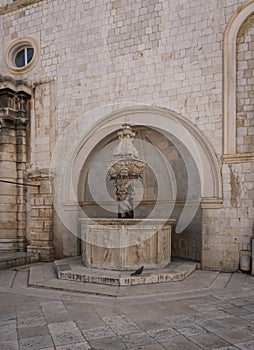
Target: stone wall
162, 53
41, 215
182, 70
227, 231
245, 85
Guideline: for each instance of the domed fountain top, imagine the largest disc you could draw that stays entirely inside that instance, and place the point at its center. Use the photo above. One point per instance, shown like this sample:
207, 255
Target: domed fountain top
126, 149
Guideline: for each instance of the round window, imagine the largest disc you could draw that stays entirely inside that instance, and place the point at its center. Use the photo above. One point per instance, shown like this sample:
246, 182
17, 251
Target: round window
22, 55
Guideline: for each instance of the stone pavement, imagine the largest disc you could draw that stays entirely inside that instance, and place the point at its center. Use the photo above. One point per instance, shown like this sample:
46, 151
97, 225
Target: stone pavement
208, 310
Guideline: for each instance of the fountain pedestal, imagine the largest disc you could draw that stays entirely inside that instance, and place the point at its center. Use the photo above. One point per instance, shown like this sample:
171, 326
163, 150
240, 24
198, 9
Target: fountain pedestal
105, 243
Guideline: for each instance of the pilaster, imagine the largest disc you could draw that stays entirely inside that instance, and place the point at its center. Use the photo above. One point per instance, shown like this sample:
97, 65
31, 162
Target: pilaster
8, 188
14, 121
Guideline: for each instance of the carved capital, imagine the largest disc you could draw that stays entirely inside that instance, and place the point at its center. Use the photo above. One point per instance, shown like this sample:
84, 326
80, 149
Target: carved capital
14, 107
127, 168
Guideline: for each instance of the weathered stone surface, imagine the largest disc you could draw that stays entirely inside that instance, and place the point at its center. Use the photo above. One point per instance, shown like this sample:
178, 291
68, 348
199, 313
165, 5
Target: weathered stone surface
72, 269
162, 54
8, 260
109, 236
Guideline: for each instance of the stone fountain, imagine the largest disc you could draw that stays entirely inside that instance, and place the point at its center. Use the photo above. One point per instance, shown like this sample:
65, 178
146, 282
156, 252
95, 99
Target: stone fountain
125, 169
126, 242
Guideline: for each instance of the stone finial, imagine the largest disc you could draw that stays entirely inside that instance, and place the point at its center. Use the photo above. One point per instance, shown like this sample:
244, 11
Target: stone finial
126, 149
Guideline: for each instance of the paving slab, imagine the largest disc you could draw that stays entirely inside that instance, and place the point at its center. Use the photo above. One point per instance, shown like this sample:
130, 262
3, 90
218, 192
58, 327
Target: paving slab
78, 346
28, 332
67, 337
9, 345
163, 334
231, 322
98, 333
180, 343
135, 340
213, 325
248, 345
108, 344
35, 343
6, 330
234, 335
209, 341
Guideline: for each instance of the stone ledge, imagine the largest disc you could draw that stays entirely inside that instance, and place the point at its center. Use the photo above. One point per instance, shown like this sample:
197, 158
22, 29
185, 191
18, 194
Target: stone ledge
8, 260
238, 158
72, 269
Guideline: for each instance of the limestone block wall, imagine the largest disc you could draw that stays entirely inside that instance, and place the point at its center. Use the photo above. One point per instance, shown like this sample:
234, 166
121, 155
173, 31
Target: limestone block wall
227, 231
245, 84
41, 216
172, 54
163, 53
188, 244
44, 123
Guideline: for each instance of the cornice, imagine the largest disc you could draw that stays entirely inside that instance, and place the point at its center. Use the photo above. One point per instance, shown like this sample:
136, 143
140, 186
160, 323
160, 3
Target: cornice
238, 158
16, 5
7, 82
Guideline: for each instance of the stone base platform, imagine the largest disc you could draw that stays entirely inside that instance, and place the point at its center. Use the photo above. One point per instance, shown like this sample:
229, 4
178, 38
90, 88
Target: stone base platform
72, 269
14, 259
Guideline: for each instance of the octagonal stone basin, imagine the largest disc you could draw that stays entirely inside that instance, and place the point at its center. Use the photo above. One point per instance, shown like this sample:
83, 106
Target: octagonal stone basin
126, 244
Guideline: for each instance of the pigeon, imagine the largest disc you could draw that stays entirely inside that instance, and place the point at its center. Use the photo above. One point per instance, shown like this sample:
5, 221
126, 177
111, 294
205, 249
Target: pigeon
138, 271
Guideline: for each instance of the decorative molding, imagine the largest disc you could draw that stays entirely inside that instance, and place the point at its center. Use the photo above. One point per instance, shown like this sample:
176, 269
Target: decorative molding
17, 85
185, 131
44, 80
242, 13
211, 203
14, 100
40, 174
238, 158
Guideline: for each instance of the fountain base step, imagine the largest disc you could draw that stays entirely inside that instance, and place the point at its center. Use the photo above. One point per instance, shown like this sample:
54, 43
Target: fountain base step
72, 269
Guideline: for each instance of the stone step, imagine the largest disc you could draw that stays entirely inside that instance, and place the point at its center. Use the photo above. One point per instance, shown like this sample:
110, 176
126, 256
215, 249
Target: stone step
9, 259
72, 269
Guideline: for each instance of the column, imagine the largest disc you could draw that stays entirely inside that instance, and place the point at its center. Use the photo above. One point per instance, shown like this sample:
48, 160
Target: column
8, 190
14, 121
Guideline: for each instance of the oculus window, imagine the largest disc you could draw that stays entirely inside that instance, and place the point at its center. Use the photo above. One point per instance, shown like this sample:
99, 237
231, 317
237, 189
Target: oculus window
22, 55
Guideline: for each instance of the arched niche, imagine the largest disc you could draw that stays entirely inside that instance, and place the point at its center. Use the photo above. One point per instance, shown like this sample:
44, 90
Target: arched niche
166, 167
230, 60
166, 122
92, 130
82, 137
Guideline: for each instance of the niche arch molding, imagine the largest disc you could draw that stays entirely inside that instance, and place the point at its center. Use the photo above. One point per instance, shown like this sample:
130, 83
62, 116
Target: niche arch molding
237, 20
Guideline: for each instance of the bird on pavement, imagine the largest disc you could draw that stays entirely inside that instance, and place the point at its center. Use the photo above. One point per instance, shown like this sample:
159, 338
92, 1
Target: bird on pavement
138, 271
